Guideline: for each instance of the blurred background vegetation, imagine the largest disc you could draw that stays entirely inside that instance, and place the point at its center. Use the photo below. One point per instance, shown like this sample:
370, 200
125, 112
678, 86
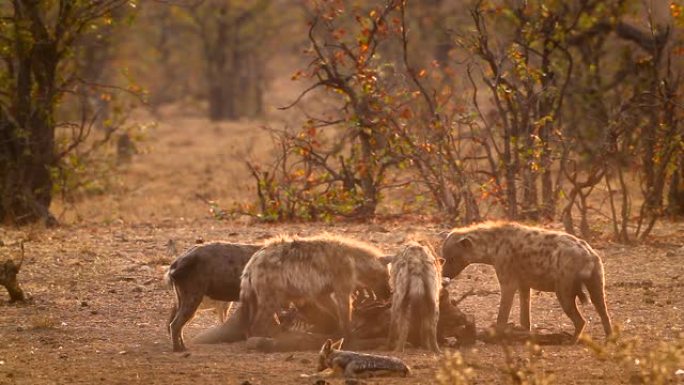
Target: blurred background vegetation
469, 110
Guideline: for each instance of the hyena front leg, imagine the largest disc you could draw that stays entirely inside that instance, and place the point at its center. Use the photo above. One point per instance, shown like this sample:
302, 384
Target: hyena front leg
524, 307
344, 310
595, 287
261, 324
508, 290
566, 294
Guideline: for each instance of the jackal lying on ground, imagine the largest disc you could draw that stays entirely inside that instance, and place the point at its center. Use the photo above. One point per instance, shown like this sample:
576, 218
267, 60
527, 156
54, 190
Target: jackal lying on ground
212, 270
531, 258
416, 282
352, 364
309, 270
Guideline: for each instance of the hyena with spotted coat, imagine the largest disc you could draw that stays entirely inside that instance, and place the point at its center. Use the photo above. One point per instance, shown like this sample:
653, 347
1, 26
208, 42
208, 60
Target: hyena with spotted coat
308, 271
416, 281
531, 258
212, 270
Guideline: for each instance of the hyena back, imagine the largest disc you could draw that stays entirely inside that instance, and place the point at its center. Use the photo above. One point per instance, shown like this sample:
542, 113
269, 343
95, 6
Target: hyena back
212, 270
416, 281
309, 270
531, 258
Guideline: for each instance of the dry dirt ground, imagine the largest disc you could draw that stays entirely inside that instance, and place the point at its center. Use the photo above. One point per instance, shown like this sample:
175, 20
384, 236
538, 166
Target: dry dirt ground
99, 307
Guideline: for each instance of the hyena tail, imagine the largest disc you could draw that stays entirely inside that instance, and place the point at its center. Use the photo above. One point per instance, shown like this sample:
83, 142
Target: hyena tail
580, 281
168, 281
179, 268
582, 295
176, 303
580, 287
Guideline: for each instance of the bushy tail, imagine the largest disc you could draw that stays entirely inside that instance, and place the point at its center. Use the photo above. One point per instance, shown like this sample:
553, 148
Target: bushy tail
582, 276
168, 281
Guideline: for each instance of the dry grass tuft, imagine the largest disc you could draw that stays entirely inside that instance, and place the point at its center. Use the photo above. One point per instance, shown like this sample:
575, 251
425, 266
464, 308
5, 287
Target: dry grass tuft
42, 322
453, 370
655, 365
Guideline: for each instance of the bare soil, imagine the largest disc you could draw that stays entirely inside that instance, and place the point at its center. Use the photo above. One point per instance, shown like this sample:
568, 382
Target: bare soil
99, 308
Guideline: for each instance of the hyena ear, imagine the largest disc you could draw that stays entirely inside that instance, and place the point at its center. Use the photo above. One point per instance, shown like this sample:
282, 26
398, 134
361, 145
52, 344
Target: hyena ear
441, 261
338, 344
466, 242
386, 259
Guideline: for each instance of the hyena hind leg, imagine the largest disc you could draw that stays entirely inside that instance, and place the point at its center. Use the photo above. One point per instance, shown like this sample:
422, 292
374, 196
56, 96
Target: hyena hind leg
595, 287
402, 328
187, 306
429, 332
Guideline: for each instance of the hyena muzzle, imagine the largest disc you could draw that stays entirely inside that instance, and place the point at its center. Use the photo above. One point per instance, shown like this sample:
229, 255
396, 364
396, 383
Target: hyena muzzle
531, 258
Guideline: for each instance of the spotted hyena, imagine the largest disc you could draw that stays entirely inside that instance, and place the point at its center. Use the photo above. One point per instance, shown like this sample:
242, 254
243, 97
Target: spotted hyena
212, 270
308, 271
8, 277
531, 258
416, 282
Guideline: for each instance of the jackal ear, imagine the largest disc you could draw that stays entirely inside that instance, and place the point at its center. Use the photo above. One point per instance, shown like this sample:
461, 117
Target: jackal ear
327, 346
338, 344
440, 261
386, 259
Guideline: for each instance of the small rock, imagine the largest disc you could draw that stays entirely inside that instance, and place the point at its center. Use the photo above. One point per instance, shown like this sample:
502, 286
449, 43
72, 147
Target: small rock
137, 289
289, 358
112, 291
186, 354
84, 304
321, 382
305, 361
199, 240
20, 329
245, 382
93, 312
232, 234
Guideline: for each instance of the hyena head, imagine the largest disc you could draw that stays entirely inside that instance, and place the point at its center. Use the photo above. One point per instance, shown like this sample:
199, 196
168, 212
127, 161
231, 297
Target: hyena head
324, 356
424, 251
458, 251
